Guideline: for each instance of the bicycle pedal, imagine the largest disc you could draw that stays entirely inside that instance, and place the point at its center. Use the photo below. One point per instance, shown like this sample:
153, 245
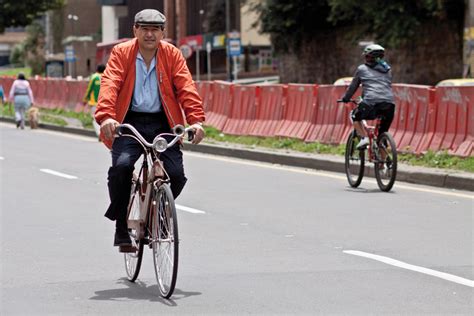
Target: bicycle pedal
128, 248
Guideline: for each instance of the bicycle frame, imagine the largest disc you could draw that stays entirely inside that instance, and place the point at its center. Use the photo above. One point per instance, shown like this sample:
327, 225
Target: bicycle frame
372, 132
149, 179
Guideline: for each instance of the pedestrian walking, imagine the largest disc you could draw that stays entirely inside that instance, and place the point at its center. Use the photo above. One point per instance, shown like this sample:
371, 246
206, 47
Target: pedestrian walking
22, 97
92, 95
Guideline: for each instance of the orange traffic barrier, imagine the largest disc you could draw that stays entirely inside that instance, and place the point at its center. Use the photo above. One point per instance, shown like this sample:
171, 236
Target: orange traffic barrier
6, 82
451, 117
205, 91
466, 147
269, 112
412, 104
40, 94
330, 121
218, 111
243, 110
457, 103
300, 103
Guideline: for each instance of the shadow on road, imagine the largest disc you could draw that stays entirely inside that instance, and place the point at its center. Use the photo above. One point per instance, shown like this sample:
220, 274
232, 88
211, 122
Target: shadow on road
140, 291
362, 190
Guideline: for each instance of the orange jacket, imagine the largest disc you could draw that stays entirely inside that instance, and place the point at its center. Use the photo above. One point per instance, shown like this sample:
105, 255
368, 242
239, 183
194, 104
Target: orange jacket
175, 83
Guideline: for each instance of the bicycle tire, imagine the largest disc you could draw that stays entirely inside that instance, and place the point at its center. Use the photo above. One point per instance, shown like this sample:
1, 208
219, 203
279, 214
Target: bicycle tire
386, 168
354, 160
165, 240
133, 260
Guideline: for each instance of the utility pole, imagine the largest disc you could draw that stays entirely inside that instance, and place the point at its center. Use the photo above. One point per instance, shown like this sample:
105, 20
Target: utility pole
227, 31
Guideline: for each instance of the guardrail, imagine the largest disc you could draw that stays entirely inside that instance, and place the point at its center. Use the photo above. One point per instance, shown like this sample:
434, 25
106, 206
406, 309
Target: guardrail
426, 118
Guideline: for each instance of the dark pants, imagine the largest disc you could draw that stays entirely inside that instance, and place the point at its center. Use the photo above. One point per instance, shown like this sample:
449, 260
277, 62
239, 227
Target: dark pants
369, 112
126, 151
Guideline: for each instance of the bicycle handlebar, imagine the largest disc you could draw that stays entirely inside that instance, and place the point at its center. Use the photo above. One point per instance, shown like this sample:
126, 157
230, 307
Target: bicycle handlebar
160, 144
350, 101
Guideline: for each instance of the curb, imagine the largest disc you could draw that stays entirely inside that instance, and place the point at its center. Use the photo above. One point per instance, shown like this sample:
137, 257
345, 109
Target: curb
418, 175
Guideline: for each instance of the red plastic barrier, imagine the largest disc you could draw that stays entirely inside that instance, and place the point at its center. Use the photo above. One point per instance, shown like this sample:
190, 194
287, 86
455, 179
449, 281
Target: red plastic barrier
330, 122
412, 104
6, 82
53, 93
270, 104
451, 127
40, 93
242, 113
220, 106
75, 94
466, 147
300, 103
459, 102
205, 91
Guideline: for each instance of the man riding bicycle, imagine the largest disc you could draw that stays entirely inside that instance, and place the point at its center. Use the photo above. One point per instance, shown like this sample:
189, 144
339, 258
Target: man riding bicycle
148, 85
377, 95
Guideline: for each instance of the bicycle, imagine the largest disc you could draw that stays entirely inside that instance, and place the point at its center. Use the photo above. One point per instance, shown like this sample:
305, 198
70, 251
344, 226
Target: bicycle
151, 213
383, 153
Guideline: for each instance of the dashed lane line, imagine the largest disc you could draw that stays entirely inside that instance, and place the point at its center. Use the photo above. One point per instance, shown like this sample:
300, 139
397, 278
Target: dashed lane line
404, 265
58, 174
189, 209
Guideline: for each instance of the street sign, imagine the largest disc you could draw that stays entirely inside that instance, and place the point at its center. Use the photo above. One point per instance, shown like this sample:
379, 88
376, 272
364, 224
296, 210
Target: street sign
208, 47
186, 50
69, 54
235, 48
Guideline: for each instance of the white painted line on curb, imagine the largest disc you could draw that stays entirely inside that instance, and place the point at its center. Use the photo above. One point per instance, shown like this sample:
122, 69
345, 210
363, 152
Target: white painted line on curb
189, 209
326, 174
59, 174
404, 265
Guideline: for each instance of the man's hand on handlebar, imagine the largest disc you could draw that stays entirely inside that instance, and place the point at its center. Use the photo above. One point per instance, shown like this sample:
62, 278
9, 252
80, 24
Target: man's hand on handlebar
107, 128
198, 133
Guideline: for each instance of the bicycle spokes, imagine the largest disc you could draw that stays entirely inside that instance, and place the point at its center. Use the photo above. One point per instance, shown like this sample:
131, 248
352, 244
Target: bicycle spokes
386, 164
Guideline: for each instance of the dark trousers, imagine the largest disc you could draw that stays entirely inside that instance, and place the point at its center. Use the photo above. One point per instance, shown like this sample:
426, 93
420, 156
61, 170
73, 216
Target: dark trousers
369, 112
126, 151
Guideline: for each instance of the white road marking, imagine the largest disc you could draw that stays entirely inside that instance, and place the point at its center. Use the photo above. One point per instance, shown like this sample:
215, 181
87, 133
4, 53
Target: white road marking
324, 174
1, 158
189, 209
404, 265
59, 174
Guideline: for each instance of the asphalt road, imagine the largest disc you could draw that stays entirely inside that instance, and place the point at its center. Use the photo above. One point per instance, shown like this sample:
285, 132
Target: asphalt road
263, 239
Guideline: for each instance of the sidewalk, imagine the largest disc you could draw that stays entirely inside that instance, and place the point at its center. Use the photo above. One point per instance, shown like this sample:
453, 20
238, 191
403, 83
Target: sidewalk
445, 178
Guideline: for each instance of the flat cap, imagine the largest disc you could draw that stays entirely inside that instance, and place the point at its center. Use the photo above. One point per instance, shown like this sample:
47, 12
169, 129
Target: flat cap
150, 17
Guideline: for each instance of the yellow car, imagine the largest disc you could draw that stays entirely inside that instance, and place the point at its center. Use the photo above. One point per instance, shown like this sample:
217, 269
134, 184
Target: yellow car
456, 82
343, 81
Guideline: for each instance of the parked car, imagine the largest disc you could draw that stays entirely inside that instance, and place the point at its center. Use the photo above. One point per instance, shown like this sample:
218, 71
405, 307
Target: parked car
343, 81
456, 82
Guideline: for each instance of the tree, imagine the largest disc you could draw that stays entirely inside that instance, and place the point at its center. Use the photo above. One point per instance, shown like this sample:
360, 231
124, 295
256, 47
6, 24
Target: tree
319, 38
34, 48
394, 21
24, 12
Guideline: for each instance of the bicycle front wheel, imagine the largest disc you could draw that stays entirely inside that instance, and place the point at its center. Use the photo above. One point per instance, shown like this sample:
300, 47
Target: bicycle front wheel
133, 260
165, 240
386, 165
354, 161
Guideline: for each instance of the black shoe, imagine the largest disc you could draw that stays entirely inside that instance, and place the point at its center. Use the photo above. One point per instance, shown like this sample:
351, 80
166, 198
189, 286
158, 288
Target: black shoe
122, 239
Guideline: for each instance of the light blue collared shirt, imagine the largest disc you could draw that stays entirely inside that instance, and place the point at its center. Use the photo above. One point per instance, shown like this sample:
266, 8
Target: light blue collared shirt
145, 94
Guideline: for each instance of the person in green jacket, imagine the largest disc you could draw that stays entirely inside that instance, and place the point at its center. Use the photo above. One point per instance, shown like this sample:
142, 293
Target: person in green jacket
92, 94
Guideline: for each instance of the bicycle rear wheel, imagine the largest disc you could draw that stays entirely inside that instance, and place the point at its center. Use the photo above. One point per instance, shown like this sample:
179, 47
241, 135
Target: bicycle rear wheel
133, 260
165, 240
386, 166
354, 161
